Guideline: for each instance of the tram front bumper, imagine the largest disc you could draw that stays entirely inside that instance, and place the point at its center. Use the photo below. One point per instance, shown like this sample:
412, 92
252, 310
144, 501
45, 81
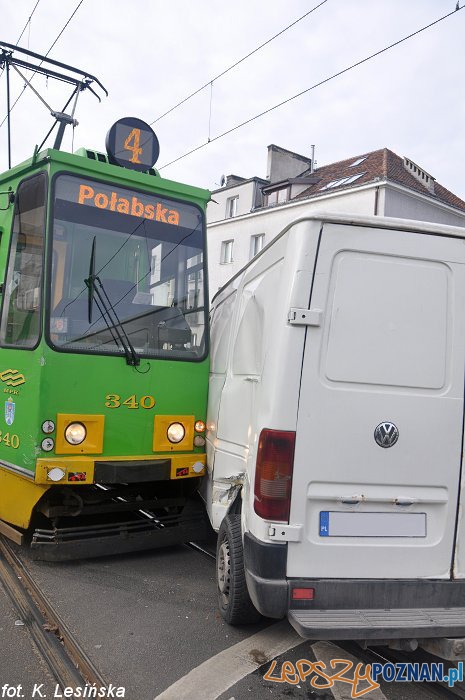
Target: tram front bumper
127, 505
119, 470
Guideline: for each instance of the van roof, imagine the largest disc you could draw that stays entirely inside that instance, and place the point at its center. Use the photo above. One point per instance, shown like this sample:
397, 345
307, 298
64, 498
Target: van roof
385, 222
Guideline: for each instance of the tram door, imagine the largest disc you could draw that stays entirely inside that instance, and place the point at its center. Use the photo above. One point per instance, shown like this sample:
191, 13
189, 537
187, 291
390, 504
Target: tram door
379, 433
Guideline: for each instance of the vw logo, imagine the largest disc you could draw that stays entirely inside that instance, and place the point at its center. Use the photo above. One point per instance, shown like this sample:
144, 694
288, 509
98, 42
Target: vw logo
386, 434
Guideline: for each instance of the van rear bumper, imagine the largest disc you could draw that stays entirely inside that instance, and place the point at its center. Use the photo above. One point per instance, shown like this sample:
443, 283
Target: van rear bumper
265, 573
353, 608
390, 623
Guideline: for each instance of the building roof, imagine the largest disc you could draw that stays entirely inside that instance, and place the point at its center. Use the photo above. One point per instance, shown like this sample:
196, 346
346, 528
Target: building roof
236, 180
375, 166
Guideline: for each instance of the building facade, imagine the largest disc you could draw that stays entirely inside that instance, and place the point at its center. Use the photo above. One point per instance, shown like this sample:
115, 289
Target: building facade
246, 214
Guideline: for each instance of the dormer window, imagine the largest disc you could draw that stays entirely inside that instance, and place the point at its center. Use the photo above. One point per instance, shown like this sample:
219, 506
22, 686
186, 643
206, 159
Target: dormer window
277, 196
271, 198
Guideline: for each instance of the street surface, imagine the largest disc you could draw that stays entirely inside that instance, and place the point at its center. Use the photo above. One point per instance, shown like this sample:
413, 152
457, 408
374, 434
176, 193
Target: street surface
149, 622
20, 664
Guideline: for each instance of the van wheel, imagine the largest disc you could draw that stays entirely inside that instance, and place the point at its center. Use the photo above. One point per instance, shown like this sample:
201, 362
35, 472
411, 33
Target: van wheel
235, 604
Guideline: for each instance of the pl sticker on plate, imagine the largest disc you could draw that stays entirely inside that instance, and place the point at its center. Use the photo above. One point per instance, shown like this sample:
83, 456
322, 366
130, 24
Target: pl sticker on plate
324, 524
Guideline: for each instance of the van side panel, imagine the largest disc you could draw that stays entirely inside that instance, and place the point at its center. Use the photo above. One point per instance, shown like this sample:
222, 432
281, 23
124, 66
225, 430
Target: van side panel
220, 334
256, 389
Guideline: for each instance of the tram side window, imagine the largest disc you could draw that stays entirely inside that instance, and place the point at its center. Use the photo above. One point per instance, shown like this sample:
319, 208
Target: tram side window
20, 323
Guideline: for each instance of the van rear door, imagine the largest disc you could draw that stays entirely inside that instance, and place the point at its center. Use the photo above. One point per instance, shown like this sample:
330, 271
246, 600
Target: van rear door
379, 430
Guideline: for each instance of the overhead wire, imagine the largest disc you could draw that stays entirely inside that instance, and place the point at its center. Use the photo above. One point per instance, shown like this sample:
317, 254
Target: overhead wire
51, 47
24, 29
66, 24
312, 87
28, 22
241, 60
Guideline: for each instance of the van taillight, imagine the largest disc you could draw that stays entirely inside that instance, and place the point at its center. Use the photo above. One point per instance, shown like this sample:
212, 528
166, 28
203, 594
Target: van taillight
273, 474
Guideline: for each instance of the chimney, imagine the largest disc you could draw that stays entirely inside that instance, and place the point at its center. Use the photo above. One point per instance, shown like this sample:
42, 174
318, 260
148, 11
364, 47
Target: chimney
419, 174
234, 180
283, 164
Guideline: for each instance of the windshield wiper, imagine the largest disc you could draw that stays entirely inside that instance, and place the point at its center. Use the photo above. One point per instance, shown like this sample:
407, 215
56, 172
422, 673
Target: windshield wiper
90, 283
98, 294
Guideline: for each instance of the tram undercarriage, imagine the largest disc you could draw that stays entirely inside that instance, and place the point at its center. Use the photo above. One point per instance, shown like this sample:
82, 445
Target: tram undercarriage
104, 519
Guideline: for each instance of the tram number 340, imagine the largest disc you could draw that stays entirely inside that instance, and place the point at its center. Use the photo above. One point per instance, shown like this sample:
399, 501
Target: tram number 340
10, 440
115, 401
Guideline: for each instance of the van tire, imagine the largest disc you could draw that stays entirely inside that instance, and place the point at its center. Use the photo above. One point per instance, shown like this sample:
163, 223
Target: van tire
234, 601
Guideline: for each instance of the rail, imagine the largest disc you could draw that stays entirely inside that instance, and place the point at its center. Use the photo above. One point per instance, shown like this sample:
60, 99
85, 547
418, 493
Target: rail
68, 662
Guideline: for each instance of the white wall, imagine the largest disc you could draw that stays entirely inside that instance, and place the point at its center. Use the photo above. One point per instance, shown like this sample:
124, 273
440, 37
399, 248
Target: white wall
216, 210
392, 200
271, 222
408, 206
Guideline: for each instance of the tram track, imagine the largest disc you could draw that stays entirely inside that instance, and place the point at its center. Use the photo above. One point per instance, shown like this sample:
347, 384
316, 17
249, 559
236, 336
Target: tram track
70, 666
67, 661
201, 550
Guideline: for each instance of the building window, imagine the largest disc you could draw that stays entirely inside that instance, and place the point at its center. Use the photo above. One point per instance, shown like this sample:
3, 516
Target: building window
271, 198
341, 181
277, 196
358, 161
256, 244
231, 207
226, 252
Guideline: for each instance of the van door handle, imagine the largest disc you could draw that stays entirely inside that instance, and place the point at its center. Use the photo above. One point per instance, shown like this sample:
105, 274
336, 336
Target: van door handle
252, 379
305, 317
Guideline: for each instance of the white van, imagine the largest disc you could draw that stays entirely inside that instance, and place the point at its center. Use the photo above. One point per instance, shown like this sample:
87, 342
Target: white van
335, 432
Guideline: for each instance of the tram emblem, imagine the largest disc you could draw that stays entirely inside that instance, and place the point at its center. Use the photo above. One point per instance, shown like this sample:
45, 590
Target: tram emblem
9, 411
386, 434
12, 377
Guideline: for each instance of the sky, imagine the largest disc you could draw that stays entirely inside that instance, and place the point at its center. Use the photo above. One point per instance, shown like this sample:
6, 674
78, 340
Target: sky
150, 55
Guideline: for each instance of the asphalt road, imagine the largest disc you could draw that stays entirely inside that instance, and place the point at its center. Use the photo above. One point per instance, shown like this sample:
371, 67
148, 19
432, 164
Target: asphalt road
149, 622
20, 663
145, 619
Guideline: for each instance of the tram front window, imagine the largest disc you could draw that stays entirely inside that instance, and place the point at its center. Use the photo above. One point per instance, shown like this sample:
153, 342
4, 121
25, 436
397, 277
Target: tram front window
149, 265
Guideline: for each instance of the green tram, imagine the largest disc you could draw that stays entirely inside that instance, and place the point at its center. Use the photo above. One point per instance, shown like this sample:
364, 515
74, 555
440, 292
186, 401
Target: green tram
103, 350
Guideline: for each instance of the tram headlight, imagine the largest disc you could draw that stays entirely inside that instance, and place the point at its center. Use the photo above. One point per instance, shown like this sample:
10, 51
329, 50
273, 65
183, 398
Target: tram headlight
175, 432
199, 441
199, 426
75, 433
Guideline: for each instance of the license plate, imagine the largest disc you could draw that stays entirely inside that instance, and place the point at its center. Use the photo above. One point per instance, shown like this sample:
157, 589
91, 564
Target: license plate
337, 524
